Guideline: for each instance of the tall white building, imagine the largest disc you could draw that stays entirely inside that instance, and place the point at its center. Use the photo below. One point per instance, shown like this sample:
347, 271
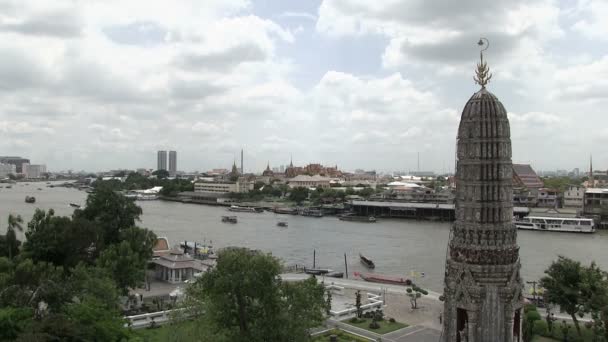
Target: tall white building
172, 163
161, 160
7, 169
34, 171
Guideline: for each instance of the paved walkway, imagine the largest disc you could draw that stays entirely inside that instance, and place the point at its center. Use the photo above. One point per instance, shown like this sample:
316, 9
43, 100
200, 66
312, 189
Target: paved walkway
414, 333
357, 284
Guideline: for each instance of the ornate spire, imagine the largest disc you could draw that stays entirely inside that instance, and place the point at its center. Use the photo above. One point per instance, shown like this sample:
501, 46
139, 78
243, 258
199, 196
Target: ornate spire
483, 74
591, 181
268, 166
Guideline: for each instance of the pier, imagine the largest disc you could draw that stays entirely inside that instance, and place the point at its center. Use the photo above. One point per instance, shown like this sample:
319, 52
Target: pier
414, 210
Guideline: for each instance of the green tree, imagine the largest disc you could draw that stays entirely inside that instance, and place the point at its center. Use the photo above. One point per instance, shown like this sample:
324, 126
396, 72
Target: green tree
299, 194
161, 174
112, 211
415, 292
245, 299
13, 321
14, 223
127, 268
564, 284
61, 240
366, 192
359, 311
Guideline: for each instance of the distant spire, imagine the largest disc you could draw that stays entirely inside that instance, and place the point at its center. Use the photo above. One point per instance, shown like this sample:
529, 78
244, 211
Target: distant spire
483, 74
268, 166
591, 180
290, 160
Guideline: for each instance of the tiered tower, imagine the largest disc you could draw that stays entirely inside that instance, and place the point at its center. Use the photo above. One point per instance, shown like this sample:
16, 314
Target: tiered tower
483, 289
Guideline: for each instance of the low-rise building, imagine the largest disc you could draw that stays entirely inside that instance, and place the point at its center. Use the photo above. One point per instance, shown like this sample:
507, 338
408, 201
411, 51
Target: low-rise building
306, 181
573, 196
548, 198
7, 169
177, 267
34, 171
595, 204
223, 187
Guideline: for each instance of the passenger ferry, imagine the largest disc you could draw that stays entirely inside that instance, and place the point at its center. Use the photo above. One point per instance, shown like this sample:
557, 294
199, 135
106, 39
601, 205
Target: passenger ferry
556, 224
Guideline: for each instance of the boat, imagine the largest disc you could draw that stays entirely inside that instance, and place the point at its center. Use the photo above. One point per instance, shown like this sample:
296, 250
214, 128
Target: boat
377, 278
355, 218
39, 189
8, 186
146, 197
229, 219
238, 209
74, 205
367, 262
556, 224
282, 224
290, 211
30, 199
311, 212
317, 271
335, 274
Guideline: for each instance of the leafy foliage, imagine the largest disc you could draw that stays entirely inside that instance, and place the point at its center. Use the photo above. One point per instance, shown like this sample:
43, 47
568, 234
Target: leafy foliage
299, 194
65, 283
415, 292
243, 294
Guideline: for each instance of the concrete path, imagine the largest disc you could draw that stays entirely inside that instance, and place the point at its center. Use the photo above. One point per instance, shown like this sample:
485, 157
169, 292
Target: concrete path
415, 333
357, 284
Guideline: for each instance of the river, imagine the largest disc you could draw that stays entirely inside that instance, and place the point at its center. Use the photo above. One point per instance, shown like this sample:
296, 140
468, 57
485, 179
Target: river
397, 246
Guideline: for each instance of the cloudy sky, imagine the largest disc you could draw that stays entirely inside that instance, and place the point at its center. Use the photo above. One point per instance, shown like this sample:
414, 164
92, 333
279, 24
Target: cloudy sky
100, 85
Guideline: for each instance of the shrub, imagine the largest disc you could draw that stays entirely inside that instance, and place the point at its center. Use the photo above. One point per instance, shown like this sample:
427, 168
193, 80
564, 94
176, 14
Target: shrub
368, 314
354, 320
540, 327
392, 320
374, 325
532, 316
529, 307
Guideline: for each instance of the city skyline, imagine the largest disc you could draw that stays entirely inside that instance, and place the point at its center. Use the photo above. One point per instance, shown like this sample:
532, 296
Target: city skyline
335, 82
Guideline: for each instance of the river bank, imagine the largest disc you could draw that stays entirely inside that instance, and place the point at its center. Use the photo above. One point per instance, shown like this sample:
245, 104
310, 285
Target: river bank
397, 246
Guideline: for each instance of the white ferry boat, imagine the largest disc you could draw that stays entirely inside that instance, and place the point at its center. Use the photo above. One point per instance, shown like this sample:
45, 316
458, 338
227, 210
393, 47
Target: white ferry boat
556, 224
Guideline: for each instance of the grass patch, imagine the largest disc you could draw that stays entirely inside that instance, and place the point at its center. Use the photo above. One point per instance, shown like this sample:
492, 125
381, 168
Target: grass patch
342, 337
385, 326
557, 335
166, 332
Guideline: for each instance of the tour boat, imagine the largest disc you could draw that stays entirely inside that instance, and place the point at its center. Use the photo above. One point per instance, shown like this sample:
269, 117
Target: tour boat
355, 218
335, 274
316, 271
30, 199
366, 262
282, 224
556, 224
74, 205
290, 211
377, 278
229, 219
236, 208
311, 212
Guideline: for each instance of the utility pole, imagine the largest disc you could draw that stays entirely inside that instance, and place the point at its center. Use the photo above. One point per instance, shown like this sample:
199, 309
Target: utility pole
533, 283
345, 266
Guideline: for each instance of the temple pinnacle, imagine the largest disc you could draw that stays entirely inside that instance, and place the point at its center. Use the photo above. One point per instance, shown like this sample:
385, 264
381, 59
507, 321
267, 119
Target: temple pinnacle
483, 74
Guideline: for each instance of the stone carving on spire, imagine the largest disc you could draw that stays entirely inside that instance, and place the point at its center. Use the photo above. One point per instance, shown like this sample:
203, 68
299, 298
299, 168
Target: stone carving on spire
483, 74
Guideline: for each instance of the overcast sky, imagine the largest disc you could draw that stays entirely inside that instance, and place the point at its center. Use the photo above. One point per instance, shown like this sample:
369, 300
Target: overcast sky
100, 85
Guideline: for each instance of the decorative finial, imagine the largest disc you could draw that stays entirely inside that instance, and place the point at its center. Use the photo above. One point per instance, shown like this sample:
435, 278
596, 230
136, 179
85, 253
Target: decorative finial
483, 74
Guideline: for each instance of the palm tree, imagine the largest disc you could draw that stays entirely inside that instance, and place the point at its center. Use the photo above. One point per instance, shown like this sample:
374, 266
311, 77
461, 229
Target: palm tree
14, 223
